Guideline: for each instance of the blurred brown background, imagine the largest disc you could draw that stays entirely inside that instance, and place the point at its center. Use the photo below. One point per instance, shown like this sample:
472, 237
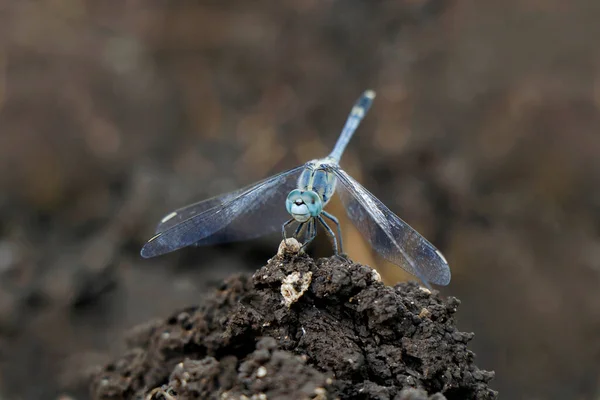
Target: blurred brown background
485, 136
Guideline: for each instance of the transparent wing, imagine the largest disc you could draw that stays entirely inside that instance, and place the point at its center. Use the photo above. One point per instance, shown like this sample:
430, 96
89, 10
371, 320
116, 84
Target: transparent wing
393, 238
190, 210
247, 213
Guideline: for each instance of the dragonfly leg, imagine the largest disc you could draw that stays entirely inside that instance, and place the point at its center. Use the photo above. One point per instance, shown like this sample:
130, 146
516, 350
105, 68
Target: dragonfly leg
299, 229
330, 233
311, 233
339, 229
285, 225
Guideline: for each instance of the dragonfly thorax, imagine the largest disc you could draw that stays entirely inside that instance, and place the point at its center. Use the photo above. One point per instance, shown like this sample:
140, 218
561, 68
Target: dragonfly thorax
303, 204
317, 178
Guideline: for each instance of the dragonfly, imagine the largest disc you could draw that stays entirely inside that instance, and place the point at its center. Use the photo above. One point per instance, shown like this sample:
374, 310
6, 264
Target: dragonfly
305, 190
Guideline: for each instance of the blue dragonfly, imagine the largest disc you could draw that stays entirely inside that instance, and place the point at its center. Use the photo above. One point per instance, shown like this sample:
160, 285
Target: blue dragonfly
253, 211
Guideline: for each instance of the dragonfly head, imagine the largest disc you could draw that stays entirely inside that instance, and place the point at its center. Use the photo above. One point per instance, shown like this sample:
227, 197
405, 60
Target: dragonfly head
303, 204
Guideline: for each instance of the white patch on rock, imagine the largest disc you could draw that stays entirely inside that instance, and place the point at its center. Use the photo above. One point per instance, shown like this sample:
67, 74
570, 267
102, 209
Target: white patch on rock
425, 290
261, 372
375, 276
289, 246
294, 285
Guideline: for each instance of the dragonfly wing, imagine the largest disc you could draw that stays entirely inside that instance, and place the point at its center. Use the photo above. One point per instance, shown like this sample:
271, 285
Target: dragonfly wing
390, 236
190, 210
244, 214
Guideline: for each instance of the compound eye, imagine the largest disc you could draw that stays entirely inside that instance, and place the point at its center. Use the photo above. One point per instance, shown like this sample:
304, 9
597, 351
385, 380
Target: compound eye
311, 197
313, 202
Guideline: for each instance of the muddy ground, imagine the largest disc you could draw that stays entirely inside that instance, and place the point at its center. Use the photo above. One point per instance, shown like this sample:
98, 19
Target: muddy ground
483, 136
300, 329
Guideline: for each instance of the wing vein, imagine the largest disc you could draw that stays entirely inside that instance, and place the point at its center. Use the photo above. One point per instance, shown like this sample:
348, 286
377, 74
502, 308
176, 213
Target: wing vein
198, 228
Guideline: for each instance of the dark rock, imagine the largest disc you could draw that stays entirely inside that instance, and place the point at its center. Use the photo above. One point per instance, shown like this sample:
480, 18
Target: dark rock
346, 336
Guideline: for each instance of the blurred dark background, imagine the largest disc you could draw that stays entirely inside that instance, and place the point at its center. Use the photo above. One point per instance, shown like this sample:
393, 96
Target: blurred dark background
485, 136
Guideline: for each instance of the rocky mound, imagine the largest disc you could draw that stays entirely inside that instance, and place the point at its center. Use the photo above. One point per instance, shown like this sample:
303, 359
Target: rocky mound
302, 329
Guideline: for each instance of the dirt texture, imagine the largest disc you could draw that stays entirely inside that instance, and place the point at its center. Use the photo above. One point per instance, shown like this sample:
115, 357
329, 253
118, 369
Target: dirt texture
484, 137
344, 335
